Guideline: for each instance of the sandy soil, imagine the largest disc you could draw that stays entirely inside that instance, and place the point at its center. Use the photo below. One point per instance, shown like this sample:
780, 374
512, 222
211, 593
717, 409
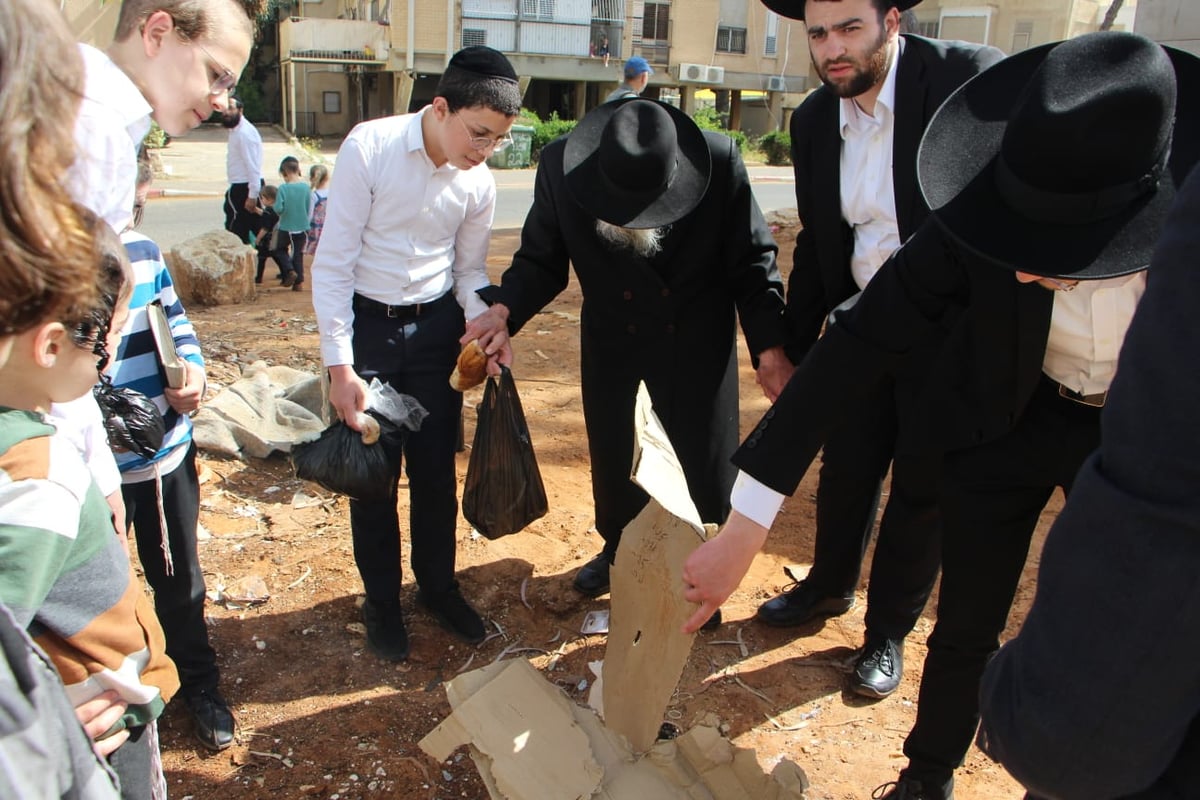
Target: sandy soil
319, 716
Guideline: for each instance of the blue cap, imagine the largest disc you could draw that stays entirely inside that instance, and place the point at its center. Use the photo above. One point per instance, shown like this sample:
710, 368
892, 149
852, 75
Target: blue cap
636, 65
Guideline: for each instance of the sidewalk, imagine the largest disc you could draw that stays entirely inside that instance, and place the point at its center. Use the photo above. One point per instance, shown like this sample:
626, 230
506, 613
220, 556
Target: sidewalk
194, 165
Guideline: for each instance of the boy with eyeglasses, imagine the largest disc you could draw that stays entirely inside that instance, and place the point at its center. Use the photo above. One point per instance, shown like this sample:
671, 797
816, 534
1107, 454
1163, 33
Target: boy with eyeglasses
175, 61
402, 253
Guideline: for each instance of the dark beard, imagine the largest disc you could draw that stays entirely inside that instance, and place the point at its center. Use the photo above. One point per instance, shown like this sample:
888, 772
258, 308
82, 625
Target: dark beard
876, 70
231, 120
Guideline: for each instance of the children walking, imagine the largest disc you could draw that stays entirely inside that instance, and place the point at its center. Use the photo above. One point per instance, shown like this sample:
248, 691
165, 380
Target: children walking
318, 178
293, 204
266, 231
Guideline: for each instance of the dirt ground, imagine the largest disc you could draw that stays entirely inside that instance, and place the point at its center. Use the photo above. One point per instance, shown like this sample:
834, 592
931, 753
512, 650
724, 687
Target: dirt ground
319, 716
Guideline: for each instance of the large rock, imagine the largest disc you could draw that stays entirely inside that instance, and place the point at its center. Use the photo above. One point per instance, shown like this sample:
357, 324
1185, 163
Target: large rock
213, 269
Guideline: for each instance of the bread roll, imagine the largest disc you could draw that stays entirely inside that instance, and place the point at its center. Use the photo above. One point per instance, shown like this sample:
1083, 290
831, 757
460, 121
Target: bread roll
471, 369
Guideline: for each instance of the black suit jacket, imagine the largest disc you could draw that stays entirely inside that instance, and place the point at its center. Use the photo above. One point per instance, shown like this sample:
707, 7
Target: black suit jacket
989, 333
928, 72
1099, 695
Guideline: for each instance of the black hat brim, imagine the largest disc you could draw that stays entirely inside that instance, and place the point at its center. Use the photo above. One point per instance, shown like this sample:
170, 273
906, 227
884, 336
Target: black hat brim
794, 9
581, 170
955, 170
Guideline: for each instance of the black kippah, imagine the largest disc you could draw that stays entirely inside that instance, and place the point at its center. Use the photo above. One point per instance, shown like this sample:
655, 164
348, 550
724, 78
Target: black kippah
484, 61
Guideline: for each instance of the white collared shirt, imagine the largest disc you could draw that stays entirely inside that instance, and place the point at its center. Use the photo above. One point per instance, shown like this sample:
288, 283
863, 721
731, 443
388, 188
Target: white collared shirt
243, 159
1087, 329
113, 120
868, 196
398, 229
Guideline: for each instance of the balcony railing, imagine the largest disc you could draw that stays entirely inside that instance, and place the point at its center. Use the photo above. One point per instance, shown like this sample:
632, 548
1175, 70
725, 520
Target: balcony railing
544, 27
340, 40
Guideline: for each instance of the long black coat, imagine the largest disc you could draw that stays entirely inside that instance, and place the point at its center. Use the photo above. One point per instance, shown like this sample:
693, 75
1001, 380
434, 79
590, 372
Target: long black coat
668, 320
928, 72
1119, 573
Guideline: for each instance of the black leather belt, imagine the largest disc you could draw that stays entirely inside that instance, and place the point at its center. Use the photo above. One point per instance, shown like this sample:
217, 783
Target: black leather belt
374, 308
1096, 400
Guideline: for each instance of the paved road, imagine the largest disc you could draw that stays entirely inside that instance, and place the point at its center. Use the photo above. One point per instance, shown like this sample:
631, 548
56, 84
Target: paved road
171, 220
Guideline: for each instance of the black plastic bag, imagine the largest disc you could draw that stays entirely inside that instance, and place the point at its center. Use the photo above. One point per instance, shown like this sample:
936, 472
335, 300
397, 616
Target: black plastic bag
342, 462
131, 419
504, 490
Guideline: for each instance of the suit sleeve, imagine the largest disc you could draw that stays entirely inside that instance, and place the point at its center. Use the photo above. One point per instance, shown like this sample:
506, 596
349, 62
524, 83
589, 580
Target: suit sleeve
902, 309
749, 255
806, 305
541, 266
1098, 694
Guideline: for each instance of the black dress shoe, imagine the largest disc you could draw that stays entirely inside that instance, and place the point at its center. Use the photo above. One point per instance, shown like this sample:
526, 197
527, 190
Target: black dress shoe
212, 717
801, 604
713, 622
912, 789
592, 578
879, 667
386, 635
454, 613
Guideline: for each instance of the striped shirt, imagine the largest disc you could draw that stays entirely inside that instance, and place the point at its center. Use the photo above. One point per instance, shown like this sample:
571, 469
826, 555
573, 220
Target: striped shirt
66, 578
136, 363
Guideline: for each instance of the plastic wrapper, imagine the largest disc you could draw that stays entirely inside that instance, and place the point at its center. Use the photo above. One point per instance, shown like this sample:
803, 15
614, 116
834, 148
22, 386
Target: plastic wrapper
131, 419
361, 465
504, 490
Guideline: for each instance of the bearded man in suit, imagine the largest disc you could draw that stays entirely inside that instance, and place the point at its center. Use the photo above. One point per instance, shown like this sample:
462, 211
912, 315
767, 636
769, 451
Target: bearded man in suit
854, 148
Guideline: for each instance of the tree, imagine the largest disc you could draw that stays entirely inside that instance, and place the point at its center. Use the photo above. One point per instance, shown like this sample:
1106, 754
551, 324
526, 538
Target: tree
1110, 16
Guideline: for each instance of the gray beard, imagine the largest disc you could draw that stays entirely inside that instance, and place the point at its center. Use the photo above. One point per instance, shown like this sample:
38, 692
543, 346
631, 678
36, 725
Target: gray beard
645, 242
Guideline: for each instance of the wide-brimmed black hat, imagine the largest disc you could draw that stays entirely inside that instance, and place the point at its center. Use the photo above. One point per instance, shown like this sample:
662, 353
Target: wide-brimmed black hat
637, 163
795, 8
1062, 160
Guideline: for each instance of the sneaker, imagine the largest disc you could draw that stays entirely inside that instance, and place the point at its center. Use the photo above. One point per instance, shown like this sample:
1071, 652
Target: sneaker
386, 635
298, 286
288, 279
454, 613
878, 668
912, 789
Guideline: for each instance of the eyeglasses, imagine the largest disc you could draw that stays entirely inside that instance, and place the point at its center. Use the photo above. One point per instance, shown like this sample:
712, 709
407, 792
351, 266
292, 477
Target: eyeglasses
225, 81
481, 143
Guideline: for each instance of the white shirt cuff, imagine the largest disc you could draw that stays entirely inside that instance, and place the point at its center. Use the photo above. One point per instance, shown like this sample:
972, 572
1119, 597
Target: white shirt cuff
754, 500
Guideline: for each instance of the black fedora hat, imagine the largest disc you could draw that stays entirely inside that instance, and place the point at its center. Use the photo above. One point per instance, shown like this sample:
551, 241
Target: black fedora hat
637, 163
795, 8
1062, 160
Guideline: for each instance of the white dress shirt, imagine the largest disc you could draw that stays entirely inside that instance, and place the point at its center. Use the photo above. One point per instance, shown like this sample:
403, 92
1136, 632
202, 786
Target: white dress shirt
243, 159
113, 120
868, 195
398, 229
1087, 329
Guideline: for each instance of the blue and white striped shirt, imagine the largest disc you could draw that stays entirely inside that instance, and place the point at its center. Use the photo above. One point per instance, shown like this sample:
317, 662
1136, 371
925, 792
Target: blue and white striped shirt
136, 363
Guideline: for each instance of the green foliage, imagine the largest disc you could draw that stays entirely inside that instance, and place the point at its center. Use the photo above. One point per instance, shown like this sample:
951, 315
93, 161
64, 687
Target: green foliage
156, 138
709, 119
254, 104
777, 147
546, 131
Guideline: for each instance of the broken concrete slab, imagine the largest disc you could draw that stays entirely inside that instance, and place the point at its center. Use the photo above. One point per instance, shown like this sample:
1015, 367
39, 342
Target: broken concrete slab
699, 765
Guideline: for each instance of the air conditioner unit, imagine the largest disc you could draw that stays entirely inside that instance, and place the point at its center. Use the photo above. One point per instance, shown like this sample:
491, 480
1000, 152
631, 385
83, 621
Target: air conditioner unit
776, 83
701, 73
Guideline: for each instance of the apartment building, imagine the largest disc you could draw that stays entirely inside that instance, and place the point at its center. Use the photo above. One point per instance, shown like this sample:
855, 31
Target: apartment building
323, 65
1173, 22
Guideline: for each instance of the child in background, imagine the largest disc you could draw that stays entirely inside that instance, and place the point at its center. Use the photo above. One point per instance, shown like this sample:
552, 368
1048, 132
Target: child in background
318, 179
162, 494
266, 233
293, 204
63, 573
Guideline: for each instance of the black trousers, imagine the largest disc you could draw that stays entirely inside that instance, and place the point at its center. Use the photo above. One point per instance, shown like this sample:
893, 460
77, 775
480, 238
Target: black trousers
415, 356
292, 261
238, 220
854, 462
179, 597
992, 497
